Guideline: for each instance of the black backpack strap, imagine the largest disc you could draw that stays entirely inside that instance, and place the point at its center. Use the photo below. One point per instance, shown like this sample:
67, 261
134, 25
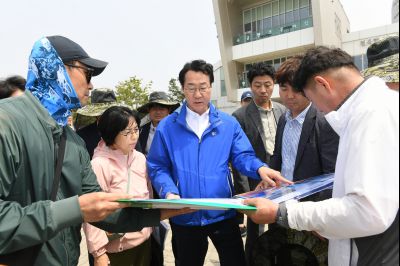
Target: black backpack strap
58, 165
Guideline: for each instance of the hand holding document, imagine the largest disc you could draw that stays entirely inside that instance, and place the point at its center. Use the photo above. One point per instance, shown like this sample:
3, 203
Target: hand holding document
297, 190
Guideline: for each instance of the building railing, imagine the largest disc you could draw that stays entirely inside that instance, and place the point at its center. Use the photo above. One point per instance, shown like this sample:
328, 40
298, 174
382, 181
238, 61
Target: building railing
255, 36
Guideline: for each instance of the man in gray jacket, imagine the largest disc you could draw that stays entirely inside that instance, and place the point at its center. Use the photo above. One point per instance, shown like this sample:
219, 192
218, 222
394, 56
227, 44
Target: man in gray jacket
35, 230
259, 121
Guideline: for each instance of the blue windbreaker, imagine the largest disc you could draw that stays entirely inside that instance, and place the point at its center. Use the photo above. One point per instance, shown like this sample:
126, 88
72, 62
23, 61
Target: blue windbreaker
181, 163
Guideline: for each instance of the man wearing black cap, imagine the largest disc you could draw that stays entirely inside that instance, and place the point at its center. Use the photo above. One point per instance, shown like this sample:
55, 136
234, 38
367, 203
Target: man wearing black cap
47, 185
246, 98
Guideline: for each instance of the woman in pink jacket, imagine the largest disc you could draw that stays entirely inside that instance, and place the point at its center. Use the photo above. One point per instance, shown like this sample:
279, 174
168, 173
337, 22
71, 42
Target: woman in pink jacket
120, 168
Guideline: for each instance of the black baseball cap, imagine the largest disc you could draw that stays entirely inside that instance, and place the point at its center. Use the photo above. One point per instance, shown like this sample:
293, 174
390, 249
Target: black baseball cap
246, 94
71, 51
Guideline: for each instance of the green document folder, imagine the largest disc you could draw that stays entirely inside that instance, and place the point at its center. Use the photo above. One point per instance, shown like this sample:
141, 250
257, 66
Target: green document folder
196, 204
298, 190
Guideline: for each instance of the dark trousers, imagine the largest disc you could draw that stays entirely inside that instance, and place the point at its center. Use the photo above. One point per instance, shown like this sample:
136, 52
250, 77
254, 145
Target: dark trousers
191, 243
253, 232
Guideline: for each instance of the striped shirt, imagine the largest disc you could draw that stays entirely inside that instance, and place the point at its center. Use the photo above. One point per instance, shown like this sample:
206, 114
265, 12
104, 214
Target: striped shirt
290, 141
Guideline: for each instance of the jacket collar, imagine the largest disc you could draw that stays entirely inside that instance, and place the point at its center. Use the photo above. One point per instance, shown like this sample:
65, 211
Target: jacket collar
254, 114
180, 113
41, 113
102, 150
306, 131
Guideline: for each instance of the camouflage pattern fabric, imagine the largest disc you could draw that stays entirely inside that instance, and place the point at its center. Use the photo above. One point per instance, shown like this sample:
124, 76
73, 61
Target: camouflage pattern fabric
288, 247
386, 68
97, 109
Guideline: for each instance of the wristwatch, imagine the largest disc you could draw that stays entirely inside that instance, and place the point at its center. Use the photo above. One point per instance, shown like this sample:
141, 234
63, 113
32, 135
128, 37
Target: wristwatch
281, 216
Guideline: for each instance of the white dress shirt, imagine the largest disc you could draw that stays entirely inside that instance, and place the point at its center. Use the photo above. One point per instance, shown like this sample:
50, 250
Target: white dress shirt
198, 123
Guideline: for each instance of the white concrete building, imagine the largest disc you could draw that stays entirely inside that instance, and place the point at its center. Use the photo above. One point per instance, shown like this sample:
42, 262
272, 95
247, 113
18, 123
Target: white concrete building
395, 11
251, 31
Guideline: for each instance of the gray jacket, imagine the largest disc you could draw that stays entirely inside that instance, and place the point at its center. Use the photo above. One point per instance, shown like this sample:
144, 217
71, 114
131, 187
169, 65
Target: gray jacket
250, 120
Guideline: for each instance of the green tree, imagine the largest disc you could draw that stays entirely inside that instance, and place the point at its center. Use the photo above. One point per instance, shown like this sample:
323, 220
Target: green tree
175, 93
132, 92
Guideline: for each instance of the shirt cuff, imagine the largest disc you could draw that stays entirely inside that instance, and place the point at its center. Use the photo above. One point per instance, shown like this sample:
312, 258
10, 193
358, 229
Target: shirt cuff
68, 218
99, 252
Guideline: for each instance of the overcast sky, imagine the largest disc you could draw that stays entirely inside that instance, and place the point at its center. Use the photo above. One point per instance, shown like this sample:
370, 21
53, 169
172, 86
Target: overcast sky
151, 39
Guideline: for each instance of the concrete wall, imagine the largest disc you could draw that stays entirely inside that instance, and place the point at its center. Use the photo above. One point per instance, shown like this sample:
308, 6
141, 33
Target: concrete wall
276, 46
325, 15
223, 11
357, 43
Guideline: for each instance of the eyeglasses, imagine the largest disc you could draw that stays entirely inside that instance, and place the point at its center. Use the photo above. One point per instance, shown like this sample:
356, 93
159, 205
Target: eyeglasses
88, 71
202, 89
130, 132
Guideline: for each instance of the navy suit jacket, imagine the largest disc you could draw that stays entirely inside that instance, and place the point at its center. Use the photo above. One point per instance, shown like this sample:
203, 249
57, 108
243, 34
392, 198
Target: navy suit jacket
317, 150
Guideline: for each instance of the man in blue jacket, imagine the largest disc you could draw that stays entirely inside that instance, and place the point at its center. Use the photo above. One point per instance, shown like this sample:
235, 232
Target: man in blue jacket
189, 158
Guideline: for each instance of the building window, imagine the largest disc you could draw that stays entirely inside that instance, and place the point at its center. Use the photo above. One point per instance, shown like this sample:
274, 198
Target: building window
276, 63
289, 5
365, 61
361, 61
273, 18
358, 61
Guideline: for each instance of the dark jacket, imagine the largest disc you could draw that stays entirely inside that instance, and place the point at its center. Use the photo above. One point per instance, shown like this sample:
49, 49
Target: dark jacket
250, 120
317, 150
91, 135
29, 138
143, 136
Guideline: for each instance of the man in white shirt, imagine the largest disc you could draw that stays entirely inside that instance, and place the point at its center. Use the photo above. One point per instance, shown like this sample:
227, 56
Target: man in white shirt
361, 220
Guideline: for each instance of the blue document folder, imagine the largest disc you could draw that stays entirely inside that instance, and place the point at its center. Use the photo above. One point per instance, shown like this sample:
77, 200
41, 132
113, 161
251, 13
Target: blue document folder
298, 190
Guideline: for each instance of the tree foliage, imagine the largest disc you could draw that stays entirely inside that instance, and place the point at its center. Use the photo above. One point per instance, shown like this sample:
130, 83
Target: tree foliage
175, 93
133, 92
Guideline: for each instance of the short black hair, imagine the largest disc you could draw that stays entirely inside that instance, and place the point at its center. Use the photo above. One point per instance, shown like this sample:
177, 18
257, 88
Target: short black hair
114, 120
11, 84
260, 69
197, 66
320, 59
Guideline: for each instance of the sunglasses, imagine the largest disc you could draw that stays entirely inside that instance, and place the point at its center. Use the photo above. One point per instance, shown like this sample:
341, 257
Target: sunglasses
88, 71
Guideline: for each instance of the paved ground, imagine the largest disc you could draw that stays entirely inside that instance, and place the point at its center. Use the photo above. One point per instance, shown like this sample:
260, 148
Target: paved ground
211, 259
